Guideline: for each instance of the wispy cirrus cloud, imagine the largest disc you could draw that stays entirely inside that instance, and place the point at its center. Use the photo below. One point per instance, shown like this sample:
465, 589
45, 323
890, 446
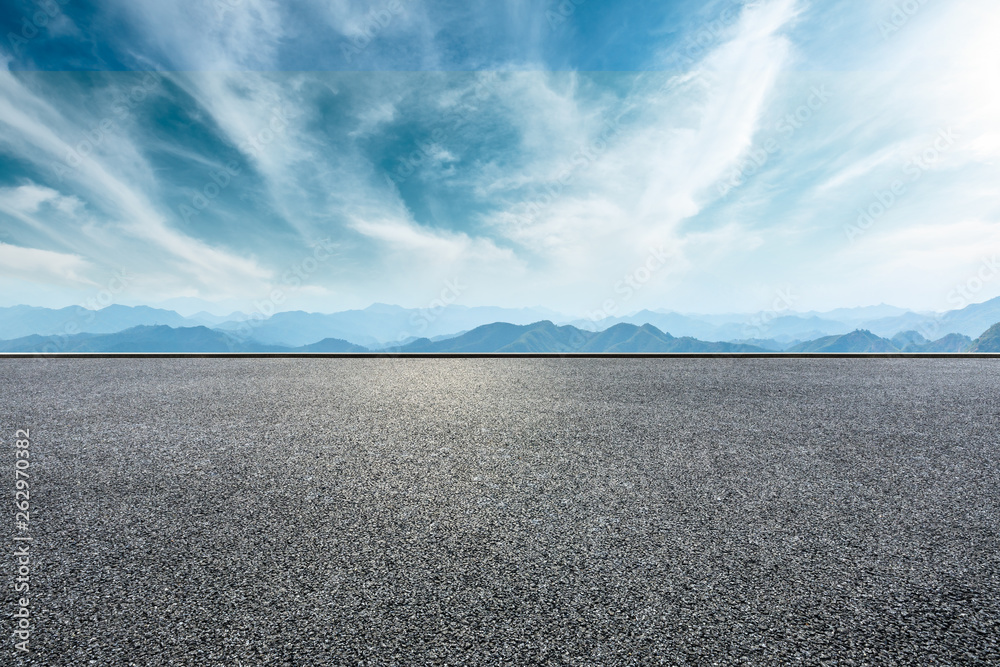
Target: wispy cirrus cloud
541, 181
114, 183
44, 266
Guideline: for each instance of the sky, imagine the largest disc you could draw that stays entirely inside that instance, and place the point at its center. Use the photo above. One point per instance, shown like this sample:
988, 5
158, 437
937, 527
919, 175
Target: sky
593, 157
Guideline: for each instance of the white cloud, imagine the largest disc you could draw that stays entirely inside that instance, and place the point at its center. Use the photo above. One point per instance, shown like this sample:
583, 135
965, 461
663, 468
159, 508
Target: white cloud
862, 167
373, 119
434, 246
44, 266
40, 133
675, 140
558, 207
222, 34
30, 198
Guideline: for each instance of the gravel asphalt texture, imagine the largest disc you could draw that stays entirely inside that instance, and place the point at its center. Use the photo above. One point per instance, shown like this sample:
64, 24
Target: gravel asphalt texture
508, 511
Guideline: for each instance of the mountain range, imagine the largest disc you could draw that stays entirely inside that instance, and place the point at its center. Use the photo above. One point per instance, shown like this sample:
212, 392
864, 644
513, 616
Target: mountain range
376, 326
499, 337
162, 338
546, 337
788, 327
381, 326
988, 342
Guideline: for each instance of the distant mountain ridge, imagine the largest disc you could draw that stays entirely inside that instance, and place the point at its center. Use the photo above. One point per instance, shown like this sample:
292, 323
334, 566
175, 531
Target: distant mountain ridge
161, 338
988, 342
786, 326
19, 321
546, 337
542, 337
382, 327
856, 341
377, 325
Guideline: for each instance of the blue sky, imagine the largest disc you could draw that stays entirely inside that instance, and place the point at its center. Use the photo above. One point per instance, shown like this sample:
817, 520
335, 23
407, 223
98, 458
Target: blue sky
589, 156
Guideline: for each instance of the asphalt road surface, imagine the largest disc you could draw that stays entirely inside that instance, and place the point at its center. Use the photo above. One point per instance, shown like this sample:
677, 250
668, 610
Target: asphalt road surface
506, 511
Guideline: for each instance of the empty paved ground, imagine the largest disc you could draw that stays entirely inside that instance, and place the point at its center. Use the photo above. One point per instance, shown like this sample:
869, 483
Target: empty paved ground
509, 511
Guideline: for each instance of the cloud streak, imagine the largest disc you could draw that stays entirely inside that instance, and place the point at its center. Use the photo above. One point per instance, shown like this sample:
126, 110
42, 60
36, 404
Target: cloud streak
539, 164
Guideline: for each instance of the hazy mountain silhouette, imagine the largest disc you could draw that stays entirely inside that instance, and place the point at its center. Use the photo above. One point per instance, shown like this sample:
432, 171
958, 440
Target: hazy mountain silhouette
497, 337
546, 337
865, 341
139, 339
380, 326
377, 325
19, 321
913, 341
988, 342
856, 341
971, 320
331, 346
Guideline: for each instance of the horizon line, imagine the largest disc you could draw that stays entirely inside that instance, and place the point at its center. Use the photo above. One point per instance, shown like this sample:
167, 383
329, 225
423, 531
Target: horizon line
502, 355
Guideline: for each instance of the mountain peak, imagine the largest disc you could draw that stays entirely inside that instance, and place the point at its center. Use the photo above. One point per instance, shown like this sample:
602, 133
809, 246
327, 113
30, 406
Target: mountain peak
989, 341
